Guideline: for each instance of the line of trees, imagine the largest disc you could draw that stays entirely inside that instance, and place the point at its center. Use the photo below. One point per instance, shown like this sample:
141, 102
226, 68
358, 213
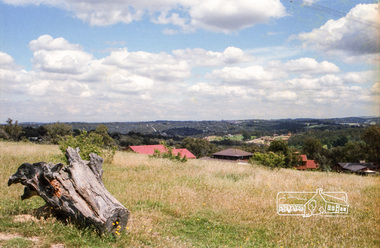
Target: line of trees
280, 154
327, 148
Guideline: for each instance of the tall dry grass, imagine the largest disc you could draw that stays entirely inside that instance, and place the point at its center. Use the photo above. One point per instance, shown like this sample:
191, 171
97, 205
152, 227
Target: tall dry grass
219, 204
13, 154
245, 196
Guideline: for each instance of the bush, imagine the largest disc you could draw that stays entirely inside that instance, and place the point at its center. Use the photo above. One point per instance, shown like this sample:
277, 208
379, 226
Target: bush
88, 143
169, 155
270, 159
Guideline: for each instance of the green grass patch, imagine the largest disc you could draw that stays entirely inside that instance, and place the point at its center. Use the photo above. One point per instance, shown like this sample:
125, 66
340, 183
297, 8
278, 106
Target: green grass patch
17, 243
203, 232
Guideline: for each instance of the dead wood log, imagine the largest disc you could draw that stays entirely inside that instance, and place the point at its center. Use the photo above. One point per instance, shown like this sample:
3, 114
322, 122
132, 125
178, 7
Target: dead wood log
74, 192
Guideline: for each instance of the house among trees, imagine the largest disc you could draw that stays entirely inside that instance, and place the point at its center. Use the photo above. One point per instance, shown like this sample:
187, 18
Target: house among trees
151, 149
307, 164
232, 154
358, 168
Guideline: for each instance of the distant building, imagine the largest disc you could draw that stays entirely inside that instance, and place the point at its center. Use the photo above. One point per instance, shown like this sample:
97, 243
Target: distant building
358, 168
232, 154
184, 152
307, 164
150, 150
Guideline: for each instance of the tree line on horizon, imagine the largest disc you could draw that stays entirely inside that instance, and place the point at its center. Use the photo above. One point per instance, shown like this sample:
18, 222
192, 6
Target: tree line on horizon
327, 147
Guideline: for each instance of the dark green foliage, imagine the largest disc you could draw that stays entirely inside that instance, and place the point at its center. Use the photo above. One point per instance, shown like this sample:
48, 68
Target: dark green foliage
371, 137
11, 131
246, 135
252, 148
183, 131
329, 138
199, 147
107, 140
56, 131
281, 147
29, 132
311, 147
324, 162
270, 159
136, 138
354, 151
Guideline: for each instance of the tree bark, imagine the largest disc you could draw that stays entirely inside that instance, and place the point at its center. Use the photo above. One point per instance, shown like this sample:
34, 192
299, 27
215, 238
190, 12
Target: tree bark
75, 191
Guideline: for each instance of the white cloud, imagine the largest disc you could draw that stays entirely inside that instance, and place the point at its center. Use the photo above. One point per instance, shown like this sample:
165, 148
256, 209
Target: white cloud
67, 62
201, 57
161, 66
281, 96
58, 55
214, 15
351, 36
69, 84
362, 77
47, 43
224, 16
376, 89
309, 65
246, 75
7, 62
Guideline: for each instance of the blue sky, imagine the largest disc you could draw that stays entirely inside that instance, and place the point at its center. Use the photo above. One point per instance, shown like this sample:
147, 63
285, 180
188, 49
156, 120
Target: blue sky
128, 60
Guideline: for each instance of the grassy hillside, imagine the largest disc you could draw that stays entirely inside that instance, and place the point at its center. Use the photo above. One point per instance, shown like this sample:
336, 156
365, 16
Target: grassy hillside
195, 204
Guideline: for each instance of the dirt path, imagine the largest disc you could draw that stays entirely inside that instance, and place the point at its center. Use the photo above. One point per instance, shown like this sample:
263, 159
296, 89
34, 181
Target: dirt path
37, 242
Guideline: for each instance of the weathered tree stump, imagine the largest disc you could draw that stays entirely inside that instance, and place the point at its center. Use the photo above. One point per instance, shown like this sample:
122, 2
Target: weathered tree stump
74, 192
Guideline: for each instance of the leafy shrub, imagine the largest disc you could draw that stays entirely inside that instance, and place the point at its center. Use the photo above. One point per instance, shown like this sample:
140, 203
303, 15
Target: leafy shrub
169, 155
270, 159
88, 143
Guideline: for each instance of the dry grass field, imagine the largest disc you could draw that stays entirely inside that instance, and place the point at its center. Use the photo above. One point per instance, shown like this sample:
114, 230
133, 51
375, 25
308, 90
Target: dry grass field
194, 204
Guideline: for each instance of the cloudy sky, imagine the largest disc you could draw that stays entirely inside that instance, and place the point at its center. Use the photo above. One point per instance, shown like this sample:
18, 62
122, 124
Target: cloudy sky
143, 60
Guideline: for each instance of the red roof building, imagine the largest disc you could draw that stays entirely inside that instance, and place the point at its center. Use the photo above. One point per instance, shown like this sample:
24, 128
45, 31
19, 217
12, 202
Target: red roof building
307, 164
184, 152
150, 149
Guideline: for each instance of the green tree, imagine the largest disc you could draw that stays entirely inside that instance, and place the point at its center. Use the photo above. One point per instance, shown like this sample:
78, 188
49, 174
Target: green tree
270, 159
57, 131
371, 137
324, 162
354, 151
199, 147
12, 130
281, 147
246, 135
102, 130
312, 147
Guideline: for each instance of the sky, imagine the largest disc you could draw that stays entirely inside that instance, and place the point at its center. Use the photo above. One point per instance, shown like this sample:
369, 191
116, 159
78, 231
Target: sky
146, 60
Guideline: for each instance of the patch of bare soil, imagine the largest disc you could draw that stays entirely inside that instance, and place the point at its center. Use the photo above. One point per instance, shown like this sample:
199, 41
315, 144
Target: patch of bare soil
35, 240
24, 218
